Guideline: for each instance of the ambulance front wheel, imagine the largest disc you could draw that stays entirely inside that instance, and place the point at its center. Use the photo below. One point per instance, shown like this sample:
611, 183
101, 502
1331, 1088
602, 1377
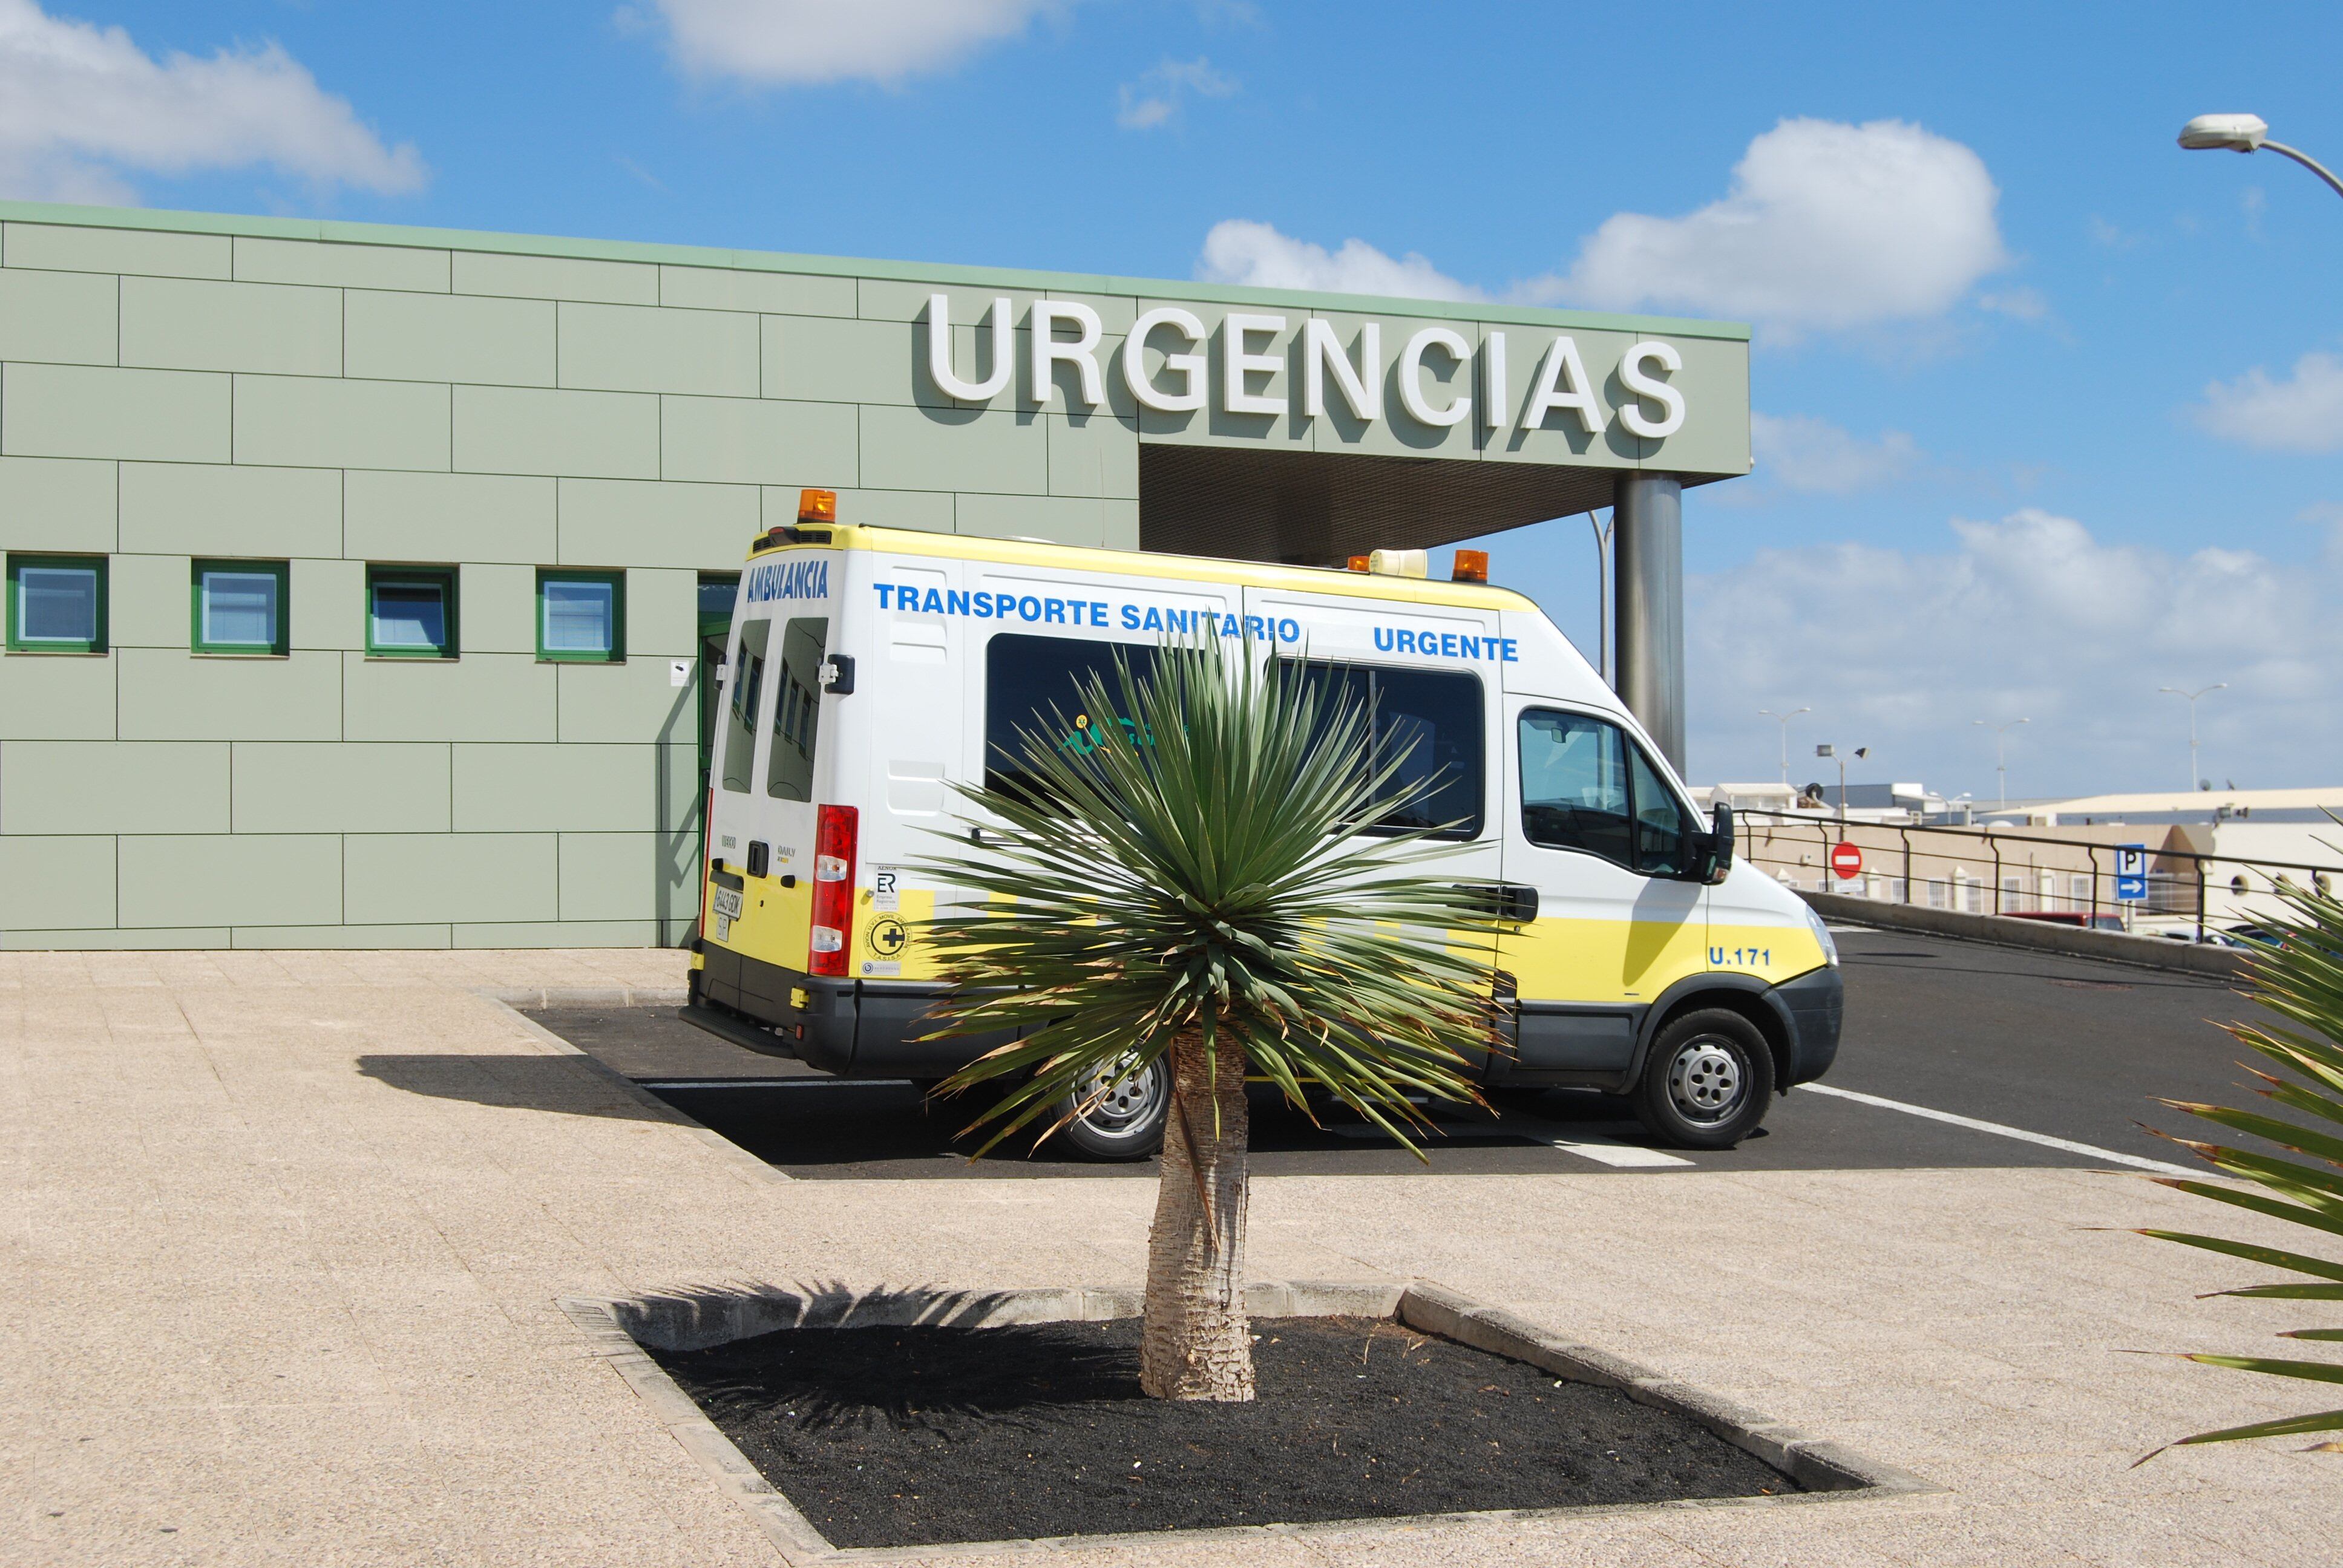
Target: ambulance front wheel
1126, 1123
1707, 1082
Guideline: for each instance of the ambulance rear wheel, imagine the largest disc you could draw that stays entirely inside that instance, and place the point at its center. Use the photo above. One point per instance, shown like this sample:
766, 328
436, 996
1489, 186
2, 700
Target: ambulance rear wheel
1707, 1082
1127, 1120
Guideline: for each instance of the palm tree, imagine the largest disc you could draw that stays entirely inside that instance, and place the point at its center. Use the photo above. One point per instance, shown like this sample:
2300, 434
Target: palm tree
1199, 878
2301, 980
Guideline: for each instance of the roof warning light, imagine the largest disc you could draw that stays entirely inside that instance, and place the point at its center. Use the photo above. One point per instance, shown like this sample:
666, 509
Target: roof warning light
816, 505
1472, 566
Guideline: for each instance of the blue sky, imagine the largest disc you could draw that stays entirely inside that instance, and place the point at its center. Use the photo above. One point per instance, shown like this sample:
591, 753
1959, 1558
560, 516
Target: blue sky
2082, 457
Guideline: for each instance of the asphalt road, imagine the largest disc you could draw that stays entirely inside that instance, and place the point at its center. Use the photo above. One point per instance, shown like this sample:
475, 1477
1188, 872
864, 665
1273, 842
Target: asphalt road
2068, 1048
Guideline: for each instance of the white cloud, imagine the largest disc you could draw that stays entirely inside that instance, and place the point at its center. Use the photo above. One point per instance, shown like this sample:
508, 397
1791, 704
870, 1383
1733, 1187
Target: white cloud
1826, 226
1800, 453
802, 42
2301, 414
1239, 250
2030, 616
82, 108
1155, 98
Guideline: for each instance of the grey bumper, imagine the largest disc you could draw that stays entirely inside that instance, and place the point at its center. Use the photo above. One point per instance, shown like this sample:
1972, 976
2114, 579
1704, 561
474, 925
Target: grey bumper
1812, 1005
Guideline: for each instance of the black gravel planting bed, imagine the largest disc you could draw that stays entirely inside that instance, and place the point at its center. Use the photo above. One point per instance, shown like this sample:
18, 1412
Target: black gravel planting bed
915, 1436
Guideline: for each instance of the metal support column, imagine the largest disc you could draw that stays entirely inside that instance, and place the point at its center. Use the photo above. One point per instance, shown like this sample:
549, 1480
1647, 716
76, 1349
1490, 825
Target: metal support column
1648, 607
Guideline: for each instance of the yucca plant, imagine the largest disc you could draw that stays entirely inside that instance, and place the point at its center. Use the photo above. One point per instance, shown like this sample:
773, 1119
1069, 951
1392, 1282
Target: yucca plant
1199, 880
2301, 980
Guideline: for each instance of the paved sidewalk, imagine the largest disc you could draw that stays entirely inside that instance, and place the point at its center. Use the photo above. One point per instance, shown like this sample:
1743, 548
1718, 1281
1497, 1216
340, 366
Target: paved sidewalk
285, 1234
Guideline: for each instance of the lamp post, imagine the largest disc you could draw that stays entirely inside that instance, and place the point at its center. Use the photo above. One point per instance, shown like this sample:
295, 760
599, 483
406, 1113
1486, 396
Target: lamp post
2192, 697
1602, 603
2001, 755
1832, 752
2247, 133
1785, 717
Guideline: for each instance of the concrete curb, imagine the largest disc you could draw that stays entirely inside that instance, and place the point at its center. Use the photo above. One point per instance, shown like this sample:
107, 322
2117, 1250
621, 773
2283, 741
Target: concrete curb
586, 996
623, 1331
1814, 1464
2114, 947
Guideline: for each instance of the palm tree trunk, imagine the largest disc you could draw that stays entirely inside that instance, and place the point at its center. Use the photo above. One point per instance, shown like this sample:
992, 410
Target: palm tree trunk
1196, 1343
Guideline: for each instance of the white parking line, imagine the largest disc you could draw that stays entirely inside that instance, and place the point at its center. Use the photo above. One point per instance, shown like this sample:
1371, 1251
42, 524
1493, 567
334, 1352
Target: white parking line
1999, 1130
1603, 1151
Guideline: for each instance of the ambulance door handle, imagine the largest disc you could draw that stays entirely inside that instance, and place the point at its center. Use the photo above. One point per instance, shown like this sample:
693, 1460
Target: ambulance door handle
761, 858
1516, 903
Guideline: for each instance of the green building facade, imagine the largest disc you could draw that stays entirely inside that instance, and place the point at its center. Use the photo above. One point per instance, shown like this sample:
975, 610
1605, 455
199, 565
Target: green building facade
356, 576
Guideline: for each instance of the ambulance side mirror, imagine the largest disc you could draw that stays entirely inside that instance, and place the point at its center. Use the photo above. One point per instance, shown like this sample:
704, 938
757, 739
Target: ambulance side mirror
1716, 846
838, 674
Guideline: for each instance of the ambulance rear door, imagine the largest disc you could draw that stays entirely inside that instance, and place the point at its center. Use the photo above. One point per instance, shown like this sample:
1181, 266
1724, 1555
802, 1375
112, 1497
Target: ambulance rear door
772, 759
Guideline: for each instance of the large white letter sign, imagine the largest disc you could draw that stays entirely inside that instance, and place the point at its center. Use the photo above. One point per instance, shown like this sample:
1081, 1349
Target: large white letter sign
1236, 364
1496, 395
1411, 375
1562, 384
939, 352
1189, 366
1081, 353
1648, 390
1361, 389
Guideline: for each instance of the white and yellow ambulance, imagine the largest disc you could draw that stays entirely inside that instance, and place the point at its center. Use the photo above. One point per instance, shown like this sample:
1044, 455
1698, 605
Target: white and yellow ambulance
869, 668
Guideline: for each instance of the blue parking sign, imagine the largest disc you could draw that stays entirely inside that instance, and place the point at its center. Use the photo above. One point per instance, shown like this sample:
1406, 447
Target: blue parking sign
2131, 873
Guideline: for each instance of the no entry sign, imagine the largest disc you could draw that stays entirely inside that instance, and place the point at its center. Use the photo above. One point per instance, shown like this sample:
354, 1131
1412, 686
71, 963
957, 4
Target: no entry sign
1846, 860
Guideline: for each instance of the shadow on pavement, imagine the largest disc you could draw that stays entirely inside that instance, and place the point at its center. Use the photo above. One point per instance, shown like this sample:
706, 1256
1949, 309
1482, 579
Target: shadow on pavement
524, 1082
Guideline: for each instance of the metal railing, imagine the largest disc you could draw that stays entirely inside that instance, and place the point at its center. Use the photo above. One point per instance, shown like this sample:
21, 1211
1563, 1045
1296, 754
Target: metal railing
2176, 879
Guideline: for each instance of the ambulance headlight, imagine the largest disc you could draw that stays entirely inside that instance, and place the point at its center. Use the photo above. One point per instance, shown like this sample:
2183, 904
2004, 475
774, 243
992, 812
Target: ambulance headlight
1822, 935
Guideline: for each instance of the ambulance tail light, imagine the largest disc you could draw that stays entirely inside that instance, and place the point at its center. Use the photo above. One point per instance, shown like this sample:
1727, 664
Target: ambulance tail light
834, 832
1400, 563
1472, 566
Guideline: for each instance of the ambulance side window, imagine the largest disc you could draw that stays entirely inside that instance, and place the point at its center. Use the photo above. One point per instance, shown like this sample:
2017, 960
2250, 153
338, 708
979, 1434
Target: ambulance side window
1574, 784
1032, 686
746, 685
1663, 829
1428, 722
1585, 786
797, 708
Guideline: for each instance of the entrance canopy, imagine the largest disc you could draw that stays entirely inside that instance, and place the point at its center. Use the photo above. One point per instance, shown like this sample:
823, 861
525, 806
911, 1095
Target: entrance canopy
1319, 508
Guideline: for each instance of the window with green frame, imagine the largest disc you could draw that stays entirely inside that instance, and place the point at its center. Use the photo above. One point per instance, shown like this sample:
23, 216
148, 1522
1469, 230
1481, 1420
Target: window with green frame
238, 607
581, 617
411, 612
57, 604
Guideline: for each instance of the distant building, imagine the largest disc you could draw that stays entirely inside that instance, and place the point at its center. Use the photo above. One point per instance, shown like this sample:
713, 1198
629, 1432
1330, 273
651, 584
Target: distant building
2220, 856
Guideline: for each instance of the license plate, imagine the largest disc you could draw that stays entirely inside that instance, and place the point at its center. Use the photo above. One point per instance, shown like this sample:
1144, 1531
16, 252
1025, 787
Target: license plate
728, 902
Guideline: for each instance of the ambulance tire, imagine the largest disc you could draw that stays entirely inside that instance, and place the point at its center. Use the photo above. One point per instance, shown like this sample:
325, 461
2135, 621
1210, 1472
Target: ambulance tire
1707, 1082
1129, 1123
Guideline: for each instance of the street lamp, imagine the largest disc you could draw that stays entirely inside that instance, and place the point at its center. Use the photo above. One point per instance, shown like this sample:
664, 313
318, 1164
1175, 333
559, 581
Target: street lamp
1603, 604
2247, 133
1785, 717
2001, 755
1832, 752
2192, 697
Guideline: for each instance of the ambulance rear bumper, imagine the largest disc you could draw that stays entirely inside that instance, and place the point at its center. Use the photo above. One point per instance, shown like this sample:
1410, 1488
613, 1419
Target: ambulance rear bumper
849, 1027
